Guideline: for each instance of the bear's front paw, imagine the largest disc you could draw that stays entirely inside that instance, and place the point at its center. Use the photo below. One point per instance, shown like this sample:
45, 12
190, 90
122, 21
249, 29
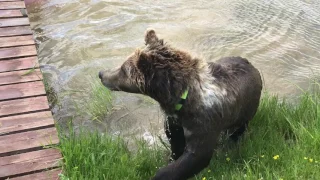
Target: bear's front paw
162, 174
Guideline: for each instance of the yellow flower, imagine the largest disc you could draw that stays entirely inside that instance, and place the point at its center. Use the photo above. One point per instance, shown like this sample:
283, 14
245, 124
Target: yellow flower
310, 160
276, 157
204, 178
228, 159
262, 156
209, 170
305, 158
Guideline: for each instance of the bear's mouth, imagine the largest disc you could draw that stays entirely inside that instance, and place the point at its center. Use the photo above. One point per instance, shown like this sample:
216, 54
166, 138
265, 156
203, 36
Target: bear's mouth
111, 87
107, 84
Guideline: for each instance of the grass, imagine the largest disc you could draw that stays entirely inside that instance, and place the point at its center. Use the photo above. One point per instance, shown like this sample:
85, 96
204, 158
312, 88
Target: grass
282, 142
90, 155
100, 100
51, 94
95, 100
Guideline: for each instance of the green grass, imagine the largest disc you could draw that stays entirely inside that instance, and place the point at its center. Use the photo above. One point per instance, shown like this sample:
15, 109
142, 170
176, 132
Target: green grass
279, 129
51, 94
99, 104
95, 156
95, 100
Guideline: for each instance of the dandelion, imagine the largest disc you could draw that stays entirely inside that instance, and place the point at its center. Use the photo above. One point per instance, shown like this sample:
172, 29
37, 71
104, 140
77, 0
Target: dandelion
305, 158
209, 170
276, 157
310, 160
262, 156
228, 159
204, 178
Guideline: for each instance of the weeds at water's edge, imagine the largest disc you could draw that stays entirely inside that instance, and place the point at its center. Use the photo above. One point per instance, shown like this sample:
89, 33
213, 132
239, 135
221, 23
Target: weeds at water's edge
99, 104
282, 142
51, 94
95, 99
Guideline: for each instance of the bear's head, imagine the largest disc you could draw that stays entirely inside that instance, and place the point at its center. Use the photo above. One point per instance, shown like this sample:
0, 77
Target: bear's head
158, 70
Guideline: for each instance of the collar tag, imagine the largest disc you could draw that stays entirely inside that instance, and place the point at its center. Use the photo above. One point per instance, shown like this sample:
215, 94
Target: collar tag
182, 100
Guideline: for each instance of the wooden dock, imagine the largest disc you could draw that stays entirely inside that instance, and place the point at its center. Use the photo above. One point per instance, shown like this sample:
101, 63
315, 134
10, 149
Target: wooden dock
26, 123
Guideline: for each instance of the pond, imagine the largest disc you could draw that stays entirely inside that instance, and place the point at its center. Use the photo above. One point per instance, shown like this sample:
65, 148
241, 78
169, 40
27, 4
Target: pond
77, 38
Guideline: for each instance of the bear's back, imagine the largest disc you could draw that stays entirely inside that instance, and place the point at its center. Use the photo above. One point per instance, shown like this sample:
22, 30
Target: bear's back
242, 82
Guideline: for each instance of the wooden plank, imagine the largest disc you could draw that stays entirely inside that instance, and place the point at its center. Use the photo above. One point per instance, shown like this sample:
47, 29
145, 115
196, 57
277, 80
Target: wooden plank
27, 140
14, 31
14, 22
28, 162
27, 157
20, 76
10, 13
9, 0
16, 41
18, 51
29, 135
23, 105
22, 90
46, 175
25, 121
19, 64
12, 5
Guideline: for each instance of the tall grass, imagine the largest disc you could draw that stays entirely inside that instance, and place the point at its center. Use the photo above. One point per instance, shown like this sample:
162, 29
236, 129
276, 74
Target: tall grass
282, 142
99, 103
94, 100
94, 156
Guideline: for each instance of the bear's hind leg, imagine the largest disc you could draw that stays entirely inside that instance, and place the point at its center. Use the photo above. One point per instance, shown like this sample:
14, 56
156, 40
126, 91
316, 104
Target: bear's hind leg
175, 136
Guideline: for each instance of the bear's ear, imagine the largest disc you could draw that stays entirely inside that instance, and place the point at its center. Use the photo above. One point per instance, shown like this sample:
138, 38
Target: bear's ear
144, 61
150, 37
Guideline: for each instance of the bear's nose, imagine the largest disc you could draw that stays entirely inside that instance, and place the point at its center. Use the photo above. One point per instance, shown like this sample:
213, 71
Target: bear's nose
100, 74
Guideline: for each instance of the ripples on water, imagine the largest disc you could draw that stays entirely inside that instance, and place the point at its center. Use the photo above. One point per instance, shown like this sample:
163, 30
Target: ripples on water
76, 38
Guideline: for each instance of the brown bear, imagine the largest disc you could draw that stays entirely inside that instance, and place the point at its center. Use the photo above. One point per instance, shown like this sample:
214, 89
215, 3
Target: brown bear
201, 99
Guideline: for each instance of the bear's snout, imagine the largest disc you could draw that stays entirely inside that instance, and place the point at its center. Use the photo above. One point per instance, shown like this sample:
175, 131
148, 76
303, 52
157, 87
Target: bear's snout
100, 74
109, 79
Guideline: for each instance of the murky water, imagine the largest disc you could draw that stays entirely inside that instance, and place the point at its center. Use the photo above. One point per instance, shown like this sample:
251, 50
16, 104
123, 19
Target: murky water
76, 38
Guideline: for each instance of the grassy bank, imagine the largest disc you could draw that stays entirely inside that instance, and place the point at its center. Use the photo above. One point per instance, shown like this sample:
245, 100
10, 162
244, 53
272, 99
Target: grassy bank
94, 156
283, 142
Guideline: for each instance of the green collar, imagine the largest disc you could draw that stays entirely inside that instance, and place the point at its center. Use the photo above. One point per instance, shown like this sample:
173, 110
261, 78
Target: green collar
182, 100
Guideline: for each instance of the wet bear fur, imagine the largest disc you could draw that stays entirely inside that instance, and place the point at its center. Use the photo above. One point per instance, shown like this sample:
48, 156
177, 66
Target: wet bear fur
222, 95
